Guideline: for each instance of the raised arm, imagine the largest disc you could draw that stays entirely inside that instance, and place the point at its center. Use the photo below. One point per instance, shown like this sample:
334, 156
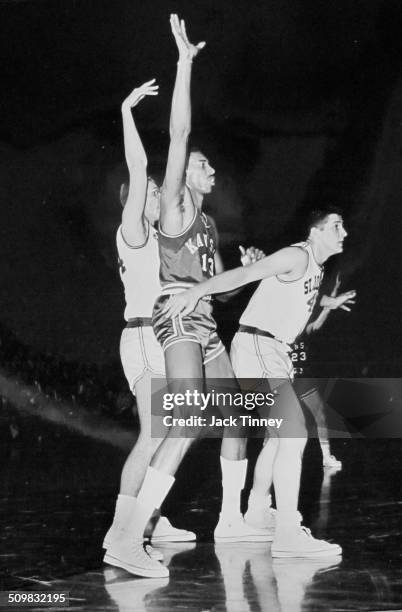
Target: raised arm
288, 261
133, 224
174, 216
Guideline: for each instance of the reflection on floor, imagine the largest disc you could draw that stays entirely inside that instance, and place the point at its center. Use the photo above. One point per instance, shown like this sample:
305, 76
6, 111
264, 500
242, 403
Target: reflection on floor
56, 500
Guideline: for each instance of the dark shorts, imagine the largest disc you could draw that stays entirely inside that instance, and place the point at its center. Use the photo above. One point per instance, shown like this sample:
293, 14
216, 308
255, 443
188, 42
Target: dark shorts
199, 327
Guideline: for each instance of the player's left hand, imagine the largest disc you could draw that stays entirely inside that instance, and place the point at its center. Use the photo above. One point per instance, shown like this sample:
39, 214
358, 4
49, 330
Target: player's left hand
250, 255
343, 301
181, 303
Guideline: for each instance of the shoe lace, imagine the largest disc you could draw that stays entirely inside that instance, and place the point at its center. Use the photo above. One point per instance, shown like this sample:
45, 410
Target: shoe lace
306, 531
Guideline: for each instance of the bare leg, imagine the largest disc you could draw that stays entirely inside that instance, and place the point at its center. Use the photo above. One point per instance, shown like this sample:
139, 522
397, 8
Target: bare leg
263, 471
138, 460
233, 448
315, 403
184, 371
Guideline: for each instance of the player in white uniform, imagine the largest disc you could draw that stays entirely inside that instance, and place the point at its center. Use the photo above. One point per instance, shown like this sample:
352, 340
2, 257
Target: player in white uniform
277, 313
308, 389
140, 352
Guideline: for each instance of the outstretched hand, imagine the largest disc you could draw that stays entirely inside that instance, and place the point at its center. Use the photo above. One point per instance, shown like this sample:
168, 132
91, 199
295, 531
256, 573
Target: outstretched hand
186, 49
343, 301
250, 255
146, 89
181, 303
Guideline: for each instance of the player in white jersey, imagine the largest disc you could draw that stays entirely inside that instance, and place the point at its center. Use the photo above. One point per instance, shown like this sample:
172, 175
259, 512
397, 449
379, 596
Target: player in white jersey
140, 352
278, 311
308, 389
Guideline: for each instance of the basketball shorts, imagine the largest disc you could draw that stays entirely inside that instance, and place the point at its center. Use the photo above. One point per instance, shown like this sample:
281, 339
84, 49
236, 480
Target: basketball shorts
140, 352
256, 356
199, 326
266, 365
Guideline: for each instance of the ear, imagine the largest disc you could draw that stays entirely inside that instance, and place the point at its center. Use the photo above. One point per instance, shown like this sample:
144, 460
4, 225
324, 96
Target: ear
123, 193
313, 231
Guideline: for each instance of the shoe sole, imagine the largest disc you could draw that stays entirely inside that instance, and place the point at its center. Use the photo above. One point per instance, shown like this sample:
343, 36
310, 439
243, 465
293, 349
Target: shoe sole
156, 555
280, 554
134, 569
167, 538
244, 538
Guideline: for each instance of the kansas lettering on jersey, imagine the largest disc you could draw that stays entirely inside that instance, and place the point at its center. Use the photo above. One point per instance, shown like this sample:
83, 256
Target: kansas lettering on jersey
139, 272
189, 257
282, 307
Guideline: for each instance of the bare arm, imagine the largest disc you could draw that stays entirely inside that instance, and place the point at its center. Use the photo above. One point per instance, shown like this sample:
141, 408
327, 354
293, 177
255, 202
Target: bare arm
133, 225
332, 302
174, 217
247, 257
290, 260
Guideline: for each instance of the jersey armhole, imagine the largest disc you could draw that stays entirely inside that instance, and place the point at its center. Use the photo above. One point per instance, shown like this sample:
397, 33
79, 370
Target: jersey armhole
187, 227
294, 280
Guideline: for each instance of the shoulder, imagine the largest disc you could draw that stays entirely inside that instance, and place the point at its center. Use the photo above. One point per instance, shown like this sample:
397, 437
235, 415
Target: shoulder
296, 253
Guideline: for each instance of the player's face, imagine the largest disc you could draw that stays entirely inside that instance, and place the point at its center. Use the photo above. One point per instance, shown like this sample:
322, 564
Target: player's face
200, 175
332, 234
152, 205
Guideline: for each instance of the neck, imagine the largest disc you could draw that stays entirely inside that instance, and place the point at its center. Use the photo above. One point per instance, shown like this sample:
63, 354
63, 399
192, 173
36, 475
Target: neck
197, 197
320, 254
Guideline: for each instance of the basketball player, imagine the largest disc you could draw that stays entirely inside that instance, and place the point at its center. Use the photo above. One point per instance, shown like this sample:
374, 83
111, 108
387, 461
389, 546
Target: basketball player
141, 354
275, 316
126, 549
187, 247
308, 390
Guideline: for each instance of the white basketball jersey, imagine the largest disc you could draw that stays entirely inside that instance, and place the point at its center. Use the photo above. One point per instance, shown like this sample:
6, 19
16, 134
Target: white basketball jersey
139, 271
282, 307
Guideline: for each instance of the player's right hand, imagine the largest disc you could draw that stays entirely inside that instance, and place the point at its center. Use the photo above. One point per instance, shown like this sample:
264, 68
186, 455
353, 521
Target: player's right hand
146, 89
186, 49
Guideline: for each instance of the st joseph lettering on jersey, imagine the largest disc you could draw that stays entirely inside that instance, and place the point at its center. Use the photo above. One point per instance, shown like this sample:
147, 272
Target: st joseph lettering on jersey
312, 285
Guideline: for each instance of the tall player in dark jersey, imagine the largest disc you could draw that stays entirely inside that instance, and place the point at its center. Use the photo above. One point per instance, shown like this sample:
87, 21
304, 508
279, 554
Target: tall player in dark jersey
187, 247
198, 353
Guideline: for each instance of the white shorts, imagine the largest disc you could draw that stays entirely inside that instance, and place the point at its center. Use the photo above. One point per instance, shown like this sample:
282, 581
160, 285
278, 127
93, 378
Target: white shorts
140, 352
255, 356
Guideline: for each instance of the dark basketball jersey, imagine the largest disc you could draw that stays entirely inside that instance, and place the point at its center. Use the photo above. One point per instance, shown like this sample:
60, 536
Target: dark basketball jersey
189, 257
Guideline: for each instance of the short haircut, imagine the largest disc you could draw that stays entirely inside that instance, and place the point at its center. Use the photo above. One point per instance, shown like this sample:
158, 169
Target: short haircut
318, 216
192, 149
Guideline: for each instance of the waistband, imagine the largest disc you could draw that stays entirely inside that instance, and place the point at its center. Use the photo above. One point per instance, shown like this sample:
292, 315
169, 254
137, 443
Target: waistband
247, 329
173, 290
139, 322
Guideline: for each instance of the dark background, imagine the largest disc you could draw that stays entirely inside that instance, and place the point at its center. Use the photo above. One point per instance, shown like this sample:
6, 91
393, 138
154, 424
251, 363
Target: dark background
296, 103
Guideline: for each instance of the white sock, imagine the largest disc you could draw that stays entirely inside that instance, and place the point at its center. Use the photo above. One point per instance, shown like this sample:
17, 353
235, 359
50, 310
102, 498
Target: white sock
123, 510
233, 479
325, 447
287, 523
155, 487
258, 502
